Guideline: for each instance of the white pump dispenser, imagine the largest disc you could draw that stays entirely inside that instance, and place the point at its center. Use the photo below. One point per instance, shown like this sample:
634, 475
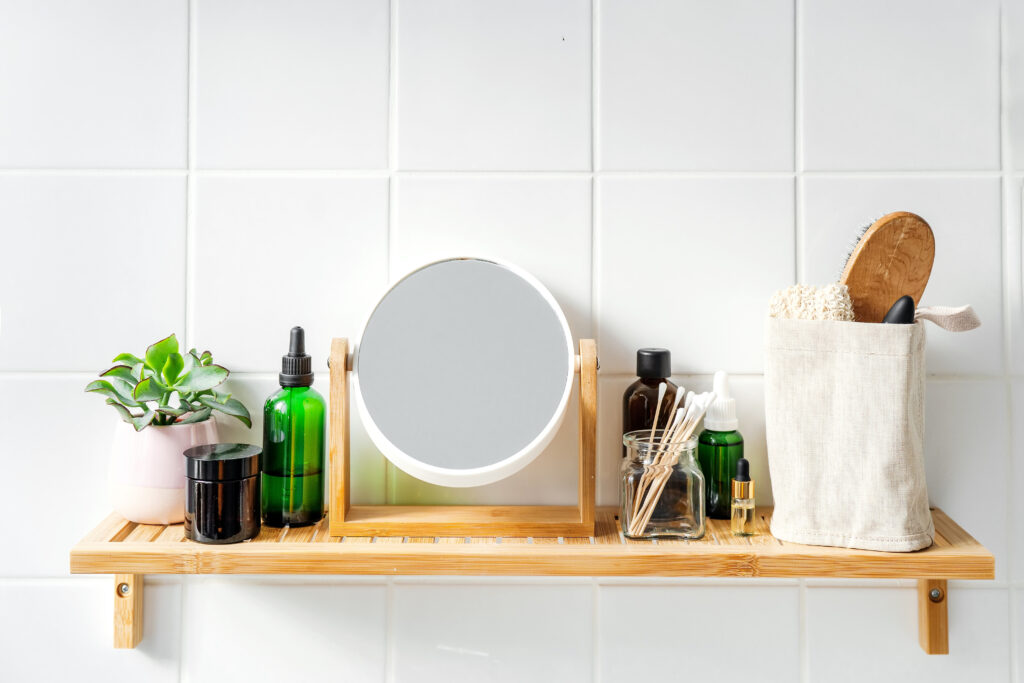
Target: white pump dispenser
721, 415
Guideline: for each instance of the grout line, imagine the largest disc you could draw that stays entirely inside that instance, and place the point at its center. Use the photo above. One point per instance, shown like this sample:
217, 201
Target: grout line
456, 173
798, 151
192, 122
390, 483
595, 27
594, 82
798, 93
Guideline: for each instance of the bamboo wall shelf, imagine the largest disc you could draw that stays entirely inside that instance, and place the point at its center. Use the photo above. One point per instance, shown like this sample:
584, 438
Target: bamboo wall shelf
130, 551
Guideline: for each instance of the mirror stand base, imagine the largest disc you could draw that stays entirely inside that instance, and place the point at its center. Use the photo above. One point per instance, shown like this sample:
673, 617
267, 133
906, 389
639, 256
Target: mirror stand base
461, 520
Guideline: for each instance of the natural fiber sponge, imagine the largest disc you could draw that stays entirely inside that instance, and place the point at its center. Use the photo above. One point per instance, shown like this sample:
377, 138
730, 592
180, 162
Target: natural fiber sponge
808, 302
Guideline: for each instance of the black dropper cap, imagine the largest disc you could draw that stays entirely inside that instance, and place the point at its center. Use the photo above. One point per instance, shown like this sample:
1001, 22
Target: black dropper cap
653, 363
297, 366
742, 470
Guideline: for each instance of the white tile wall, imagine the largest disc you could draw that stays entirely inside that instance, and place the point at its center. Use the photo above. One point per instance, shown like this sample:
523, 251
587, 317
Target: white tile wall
282, 630
83, 259
1013, 55
492, 633
54, 443
226, 170
670, 254
654, 632
968, 477
1013, 265
509, 91
663, 108
301, 84
1016, 477
900, 86
60, 630
93, 85
271, 253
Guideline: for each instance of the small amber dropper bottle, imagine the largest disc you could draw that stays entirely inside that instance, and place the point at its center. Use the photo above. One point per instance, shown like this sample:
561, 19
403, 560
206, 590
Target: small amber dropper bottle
742, 500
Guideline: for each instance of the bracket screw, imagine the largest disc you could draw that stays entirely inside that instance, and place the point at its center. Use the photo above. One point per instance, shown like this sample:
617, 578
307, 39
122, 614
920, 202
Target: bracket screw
123, 588
935, 595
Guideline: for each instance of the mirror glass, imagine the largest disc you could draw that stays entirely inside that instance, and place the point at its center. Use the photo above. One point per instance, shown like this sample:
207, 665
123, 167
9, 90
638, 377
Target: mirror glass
463, 371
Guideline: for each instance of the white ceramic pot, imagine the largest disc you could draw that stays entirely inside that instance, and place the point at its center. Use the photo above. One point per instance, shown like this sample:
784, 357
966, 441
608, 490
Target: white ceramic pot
147, 470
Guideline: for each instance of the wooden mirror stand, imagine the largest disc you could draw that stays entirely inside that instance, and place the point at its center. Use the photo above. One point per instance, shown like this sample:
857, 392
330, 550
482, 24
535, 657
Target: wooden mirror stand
460, 520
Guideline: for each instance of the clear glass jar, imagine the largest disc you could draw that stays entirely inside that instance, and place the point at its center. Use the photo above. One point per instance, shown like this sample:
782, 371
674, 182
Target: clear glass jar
662, 487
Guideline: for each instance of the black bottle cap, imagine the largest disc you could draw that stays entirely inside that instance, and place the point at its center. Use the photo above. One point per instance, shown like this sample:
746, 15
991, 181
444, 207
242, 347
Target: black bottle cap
653, 363
222, 461
296, 366
742, 470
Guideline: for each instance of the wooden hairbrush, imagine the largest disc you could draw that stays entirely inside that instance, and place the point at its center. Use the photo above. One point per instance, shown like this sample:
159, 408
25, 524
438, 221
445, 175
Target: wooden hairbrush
893, 258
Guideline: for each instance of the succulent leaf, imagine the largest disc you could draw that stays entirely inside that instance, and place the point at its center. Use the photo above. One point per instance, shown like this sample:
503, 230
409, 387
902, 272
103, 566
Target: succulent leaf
202, 378
156, 354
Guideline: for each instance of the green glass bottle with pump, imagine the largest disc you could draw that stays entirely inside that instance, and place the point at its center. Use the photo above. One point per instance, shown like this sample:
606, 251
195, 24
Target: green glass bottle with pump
719, 448
294, 443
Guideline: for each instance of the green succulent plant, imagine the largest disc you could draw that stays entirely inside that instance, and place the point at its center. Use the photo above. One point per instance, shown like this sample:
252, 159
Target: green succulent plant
167, 387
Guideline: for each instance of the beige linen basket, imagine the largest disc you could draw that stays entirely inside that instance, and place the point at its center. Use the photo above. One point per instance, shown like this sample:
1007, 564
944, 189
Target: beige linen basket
844, 404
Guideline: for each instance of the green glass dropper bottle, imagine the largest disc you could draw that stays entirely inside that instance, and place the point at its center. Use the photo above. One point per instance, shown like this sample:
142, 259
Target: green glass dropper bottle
719, 447
293, 443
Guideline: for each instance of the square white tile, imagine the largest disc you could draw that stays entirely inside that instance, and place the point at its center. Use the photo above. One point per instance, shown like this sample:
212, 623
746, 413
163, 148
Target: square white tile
366, 464
302, 84
341, 628
91, 266
540, 225
692, 632
277, 252
690, 264
551, 479
965, 216
62, 630
493, 633
60, 453
858, 634
101, 84
1013, 55
485, 84
967, 459
694, 85
900, 86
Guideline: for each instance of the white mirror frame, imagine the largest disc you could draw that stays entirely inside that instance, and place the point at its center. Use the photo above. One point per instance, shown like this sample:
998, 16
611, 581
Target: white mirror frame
476, 476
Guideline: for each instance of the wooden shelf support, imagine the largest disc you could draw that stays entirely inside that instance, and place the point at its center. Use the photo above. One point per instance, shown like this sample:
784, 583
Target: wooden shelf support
127, 610
932, 616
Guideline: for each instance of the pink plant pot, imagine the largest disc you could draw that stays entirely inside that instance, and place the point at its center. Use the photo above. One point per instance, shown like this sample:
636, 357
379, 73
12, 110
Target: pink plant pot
147, 469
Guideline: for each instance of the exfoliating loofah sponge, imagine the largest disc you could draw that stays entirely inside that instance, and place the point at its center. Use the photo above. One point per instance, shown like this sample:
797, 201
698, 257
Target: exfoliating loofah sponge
807, 302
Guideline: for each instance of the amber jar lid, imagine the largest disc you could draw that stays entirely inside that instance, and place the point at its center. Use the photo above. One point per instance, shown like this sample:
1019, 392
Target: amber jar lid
222, 461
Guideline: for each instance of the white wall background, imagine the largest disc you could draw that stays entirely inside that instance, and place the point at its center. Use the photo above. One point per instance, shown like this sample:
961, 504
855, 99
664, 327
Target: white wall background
160, 158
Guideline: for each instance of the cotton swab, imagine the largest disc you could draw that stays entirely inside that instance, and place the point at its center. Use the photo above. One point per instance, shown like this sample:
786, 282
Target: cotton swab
662, 388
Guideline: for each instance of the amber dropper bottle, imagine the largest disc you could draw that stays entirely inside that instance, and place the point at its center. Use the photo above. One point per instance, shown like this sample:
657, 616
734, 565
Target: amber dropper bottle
742, 500
640, 400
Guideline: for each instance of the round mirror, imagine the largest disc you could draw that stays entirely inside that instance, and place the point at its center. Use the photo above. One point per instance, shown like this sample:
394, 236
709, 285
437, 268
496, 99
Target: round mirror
463, 371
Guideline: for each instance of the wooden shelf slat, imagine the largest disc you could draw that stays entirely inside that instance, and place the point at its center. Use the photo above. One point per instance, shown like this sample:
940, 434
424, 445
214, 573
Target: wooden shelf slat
120, 547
